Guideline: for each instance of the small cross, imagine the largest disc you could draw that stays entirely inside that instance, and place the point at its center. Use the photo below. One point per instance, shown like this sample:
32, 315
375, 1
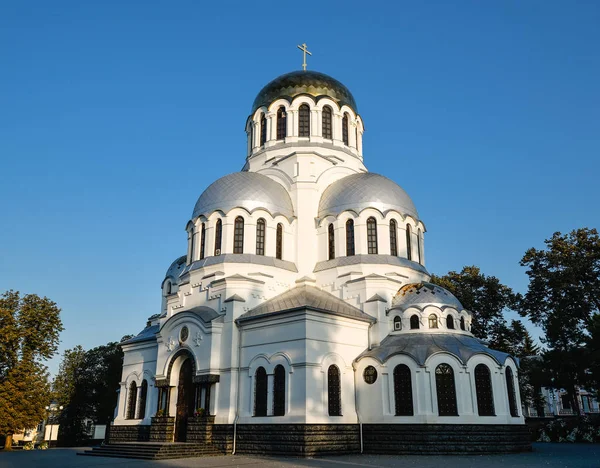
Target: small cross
305, 51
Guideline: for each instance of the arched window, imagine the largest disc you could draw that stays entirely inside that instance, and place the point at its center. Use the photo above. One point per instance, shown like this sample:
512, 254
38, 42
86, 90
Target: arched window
433, 321
345, 129
510, 390
371, 235
263, 130
334, 393
281, 123
238, 235
168, 288
279, 242
350, 237
483, 388
331, 241
251, 135
202, 240
327, 133
414, 322
462, 323
419, 249
393, 238
141, 413
403, 391
192, 245
408, 242
279, 391
304, 121
450, 322
397, 323
218, 232
446, 390
131, 401
260, 236
260, 392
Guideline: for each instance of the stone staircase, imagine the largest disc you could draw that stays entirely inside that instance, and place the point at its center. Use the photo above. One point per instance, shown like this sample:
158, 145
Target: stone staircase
153, 450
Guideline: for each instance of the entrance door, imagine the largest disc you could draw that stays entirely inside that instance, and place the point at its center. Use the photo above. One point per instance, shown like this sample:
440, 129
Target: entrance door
185, 400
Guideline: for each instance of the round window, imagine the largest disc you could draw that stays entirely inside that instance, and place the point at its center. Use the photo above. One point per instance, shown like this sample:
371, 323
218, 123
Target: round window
370, 375
184, 333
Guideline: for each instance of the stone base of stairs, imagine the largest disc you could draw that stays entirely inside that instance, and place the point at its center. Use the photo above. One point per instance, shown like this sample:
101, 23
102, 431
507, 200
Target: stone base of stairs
153, 450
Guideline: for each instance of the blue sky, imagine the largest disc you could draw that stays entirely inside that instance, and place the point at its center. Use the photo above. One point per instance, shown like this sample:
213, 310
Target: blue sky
116, 115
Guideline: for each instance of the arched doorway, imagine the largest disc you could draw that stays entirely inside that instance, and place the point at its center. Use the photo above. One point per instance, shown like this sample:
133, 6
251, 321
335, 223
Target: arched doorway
185, 400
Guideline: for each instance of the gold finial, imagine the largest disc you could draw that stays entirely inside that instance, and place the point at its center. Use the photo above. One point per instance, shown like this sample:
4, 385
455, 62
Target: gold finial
304, 49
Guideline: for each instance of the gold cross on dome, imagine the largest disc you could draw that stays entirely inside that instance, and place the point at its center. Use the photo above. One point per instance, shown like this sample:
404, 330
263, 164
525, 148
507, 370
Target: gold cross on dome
305, 51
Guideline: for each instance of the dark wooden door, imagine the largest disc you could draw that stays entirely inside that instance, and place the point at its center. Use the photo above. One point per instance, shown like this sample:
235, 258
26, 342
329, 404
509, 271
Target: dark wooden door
185, 400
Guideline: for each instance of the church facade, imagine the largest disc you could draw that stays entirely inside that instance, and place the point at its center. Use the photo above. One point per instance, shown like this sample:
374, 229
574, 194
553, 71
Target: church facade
301, 319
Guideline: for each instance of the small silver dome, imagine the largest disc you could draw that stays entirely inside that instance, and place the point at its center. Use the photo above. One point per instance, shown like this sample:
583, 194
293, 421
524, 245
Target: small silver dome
175, 269
365, 190
248, 190
424, 294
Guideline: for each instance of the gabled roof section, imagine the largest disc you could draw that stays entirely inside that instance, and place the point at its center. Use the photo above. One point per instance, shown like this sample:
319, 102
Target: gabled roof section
306, 297
147, 334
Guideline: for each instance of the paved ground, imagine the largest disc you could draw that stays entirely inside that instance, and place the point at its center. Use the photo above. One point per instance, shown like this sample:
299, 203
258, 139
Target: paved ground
544, 455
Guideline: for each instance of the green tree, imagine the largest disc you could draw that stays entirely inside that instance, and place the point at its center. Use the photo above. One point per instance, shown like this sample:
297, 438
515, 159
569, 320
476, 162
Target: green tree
487, 299
29, 334
563, 297
86, 385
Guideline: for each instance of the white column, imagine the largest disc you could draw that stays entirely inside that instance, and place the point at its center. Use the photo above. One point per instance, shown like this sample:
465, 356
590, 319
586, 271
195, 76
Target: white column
292, 123
270, 379
314, 123
271, 126
352, 134
337, 126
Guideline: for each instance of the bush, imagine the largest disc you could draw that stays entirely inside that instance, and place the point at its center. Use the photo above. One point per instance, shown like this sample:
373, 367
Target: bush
574, 430
43, 445
28, 446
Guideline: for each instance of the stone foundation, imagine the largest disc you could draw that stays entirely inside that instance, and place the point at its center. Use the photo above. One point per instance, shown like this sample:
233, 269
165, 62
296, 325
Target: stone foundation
328, 439
128, 433
445, 438
162, 429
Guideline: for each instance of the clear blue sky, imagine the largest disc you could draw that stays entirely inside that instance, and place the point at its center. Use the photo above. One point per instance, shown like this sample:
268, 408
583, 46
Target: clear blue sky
116, 115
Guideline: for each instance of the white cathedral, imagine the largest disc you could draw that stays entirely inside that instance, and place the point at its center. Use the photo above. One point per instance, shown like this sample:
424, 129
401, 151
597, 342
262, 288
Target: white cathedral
301, 319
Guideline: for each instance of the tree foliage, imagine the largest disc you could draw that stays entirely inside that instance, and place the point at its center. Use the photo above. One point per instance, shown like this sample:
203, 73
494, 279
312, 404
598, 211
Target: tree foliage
563, 297
29, 334
86, 385
487, 299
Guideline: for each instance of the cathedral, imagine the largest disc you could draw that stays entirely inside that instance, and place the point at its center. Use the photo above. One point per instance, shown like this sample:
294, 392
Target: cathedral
300, 319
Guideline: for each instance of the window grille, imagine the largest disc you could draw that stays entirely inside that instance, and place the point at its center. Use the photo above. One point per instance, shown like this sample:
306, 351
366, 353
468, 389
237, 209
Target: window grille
350, 237
260, 237
279, 391
238, 236
281, 124
331, 241
345, 129
510, 390
403, 391
304, 121
371, 236
218, 233
143, 395
334, 391
132, 400
414, 322
263, 130
446, 390
393, 238
202, 240
279, 242
260, 392
483, 388
408, 242
327, 122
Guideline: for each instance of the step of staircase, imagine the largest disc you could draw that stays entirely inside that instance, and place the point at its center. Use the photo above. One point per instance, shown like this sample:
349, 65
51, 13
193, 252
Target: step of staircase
153, 451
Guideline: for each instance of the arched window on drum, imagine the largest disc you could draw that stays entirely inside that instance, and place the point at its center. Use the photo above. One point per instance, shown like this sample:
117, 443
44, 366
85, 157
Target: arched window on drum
281, 123
327, 119
304, 121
